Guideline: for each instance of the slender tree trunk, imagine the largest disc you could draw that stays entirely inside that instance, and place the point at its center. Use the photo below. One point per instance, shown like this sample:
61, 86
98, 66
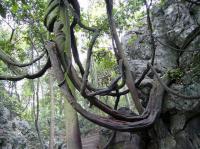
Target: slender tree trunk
51, 141
36, 105
37, 114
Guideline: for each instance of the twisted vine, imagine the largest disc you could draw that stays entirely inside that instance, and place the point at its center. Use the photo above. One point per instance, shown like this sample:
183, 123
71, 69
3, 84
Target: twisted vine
62, 65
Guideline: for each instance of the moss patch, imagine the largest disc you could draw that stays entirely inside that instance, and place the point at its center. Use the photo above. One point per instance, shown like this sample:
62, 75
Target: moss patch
175, 74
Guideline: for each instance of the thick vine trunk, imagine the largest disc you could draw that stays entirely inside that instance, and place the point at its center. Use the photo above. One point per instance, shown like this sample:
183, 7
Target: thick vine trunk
72, 131
73, 139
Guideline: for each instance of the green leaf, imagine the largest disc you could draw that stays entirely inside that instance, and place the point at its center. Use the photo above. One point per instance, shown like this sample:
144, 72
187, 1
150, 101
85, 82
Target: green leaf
15, 8
2, 11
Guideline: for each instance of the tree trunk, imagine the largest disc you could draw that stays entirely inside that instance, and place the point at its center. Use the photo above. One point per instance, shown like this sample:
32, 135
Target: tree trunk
52, 125
73, 139
37, 115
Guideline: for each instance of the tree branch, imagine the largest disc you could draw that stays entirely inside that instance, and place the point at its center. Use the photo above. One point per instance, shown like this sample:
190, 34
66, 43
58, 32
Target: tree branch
130, 81
11, 61
88, 61
28, 76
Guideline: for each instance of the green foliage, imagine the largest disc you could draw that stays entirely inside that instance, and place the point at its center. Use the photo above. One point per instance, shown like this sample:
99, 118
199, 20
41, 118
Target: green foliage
3, 67
102, 23
128, 14
15, 7
105, 58
22, 27
175, 74
162, 3
9, 101
27, 89
139, 15
14, 105
24, 10
132, 39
